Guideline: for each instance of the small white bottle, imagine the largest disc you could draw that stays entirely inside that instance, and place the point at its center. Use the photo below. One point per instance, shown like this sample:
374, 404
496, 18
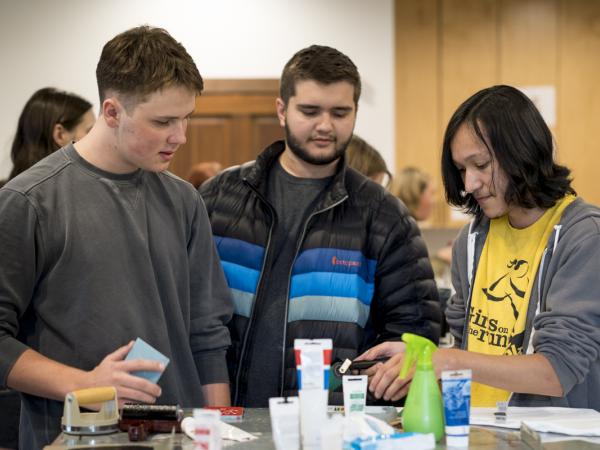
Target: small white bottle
207, 429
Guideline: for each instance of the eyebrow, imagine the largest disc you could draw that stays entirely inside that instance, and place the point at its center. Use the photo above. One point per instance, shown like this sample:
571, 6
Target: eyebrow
343, 108
187, 116
337, 108
469, 158
473, 156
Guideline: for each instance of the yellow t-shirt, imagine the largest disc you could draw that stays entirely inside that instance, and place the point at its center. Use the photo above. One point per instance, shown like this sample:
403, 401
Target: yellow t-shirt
503, 283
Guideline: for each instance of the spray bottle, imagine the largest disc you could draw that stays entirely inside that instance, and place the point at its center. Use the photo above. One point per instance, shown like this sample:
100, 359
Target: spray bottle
423, 410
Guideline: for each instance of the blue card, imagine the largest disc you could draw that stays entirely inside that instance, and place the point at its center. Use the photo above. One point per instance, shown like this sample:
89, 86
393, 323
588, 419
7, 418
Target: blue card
142, 350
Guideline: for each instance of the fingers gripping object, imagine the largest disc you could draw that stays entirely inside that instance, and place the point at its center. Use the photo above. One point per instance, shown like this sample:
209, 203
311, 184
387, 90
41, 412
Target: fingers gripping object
341, 368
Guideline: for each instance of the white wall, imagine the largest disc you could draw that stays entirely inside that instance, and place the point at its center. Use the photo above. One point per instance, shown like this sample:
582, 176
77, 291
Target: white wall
57, 43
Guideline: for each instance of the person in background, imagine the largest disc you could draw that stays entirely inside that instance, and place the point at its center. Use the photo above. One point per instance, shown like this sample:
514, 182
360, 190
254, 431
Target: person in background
311, 248
416, 190
363, 157
98, 245
50, 119
201, 172
525, 314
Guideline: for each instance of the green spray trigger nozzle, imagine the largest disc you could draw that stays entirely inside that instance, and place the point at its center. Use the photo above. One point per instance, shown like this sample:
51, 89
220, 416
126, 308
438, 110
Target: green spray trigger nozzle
417, 348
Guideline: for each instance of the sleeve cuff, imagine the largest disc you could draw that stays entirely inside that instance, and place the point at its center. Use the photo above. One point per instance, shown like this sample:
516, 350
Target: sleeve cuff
566, 378
10, 349
212, 367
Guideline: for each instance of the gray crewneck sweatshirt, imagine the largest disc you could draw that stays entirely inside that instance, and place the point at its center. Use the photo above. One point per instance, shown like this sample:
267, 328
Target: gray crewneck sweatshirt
90, 260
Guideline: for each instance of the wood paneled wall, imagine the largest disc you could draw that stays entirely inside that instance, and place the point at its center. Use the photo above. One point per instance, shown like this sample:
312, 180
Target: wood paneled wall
446, 50
234, 120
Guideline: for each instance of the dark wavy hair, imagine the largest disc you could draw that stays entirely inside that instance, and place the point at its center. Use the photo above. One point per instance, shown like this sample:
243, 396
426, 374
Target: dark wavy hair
34, 137
514, 132
320, 63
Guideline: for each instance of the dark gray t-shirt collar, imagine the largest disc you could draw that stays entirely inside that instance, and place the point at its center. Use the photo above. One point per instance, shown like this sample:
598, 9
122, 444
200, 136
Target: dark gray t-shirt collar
77, 159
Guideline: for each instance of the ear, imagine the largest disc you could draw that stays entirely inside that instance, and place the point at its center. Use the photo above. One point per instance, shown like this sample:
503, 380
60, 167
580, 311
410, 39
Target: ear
281, 107
60, 135
111, 111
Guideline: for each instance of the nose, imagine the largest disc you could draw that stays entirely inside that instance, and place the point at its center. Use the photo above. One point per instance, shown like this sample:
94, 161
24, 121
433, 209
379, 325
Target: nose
471, 181
178, 134
325, 124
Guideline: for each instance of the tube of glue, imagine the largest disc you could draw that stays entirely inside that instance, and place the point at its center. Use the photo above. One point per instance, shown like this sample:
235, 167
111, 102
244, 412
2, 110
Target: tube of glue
285, 422
355, 394
313, 361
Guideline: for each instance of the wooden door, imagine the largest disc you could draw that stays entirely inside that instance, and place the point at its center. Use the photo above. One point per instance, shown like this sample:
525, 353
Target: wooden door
234, 120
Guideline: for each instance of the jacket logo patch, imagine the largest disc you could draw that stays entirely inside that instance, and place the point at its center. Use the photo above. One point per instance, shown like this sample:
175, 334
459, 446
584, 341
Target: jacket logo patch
344, 262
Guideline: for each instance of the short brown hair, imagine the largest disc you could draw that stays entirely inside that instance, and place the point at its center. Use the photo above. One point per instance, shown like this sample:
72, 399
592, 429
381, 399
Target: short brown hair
363, 157
322, 64
144, 60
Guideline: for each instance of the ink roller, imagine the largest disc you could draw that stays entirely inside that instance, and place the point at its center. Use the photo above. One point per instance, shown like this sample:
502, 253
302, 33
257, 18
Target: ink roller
151, 418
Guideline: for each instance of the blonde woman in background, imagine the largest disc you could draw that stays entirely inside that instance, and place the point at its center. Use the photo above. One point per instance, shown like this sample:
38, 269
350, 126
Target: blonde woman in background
415, 189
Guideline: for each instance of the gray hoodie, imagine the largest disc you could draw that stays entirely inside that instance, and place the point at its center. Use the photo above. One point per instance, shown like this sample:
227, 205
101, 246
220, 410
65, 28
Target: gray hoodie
563, 319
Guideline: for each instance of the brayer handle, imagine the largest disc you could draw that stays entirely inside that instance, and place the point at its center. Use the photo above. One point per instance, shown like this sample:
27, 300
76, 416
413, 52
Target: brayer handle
90, 396
365, 364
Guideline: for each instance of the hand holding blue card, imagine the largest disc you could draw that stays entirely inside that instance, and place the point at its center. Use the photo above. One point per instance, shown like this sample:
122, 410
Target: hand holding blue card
143, 350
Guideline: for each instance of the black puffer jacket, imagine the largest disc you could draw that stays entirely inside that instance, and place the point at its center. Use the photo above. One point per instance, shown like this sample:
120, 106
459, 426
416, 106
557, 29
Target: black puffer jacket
361, 275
